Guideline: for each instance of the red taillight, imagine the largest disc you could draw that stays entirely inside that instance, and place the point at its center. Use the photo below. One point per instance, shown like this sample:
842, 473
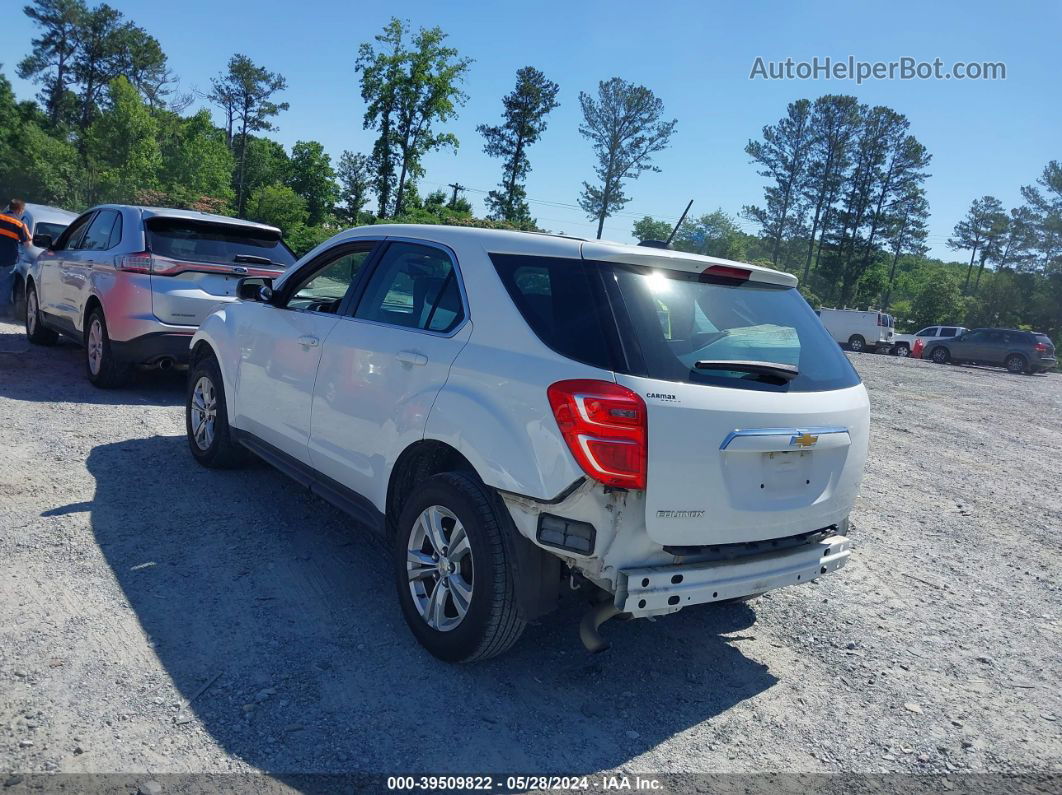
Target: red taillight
606, 429
727, 272
1040, 347
134, 263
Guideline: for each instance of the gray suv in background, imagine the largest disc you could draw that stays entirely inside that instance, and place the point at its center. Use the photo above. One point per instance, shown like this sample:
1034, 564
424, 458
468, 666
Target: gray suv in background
1018, 351
132, 284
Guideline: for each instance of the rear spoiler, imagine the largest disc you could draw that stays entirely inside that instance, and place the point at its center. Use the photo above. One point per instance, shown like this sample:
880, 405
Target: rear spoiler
681, 261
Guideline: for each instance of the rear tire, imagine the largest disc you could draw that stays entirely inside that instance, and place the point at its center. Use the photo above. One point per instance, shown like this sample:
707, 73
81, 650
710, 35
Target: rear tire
18, 298
103, 368
206, 419
940, 355
857, 343
1016, 363
474, 616
36, 332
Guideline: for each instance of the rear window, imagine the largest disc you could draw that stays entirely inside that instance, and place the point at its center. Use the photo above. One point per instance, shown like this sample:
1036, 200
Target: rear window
660, 323
52, 230
183, 239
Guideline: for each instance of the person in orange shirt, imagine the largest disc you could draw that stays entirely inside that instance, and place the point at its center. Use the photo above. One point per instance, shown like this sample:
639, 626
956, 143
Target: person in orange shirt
13, 233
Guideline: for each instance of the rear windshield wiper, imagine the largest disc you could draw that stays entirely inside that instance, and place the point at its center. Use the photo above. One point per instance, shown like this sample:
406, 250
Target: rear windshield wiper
784, 372
254, 259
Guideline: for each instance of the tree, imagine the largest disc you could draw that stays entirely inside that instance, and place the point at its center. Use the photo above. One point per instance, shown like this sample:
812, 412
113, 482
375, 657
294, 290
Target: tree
246, 91
971, 232
355, 180
906, 234
277, 205
196, 162
122, 146
713, 235
834, 122
624, 126
110, 48
267, 163
651, 229
783, 158
50, 60
524, 112
937, 301
311, 176
1044, 201
407, 92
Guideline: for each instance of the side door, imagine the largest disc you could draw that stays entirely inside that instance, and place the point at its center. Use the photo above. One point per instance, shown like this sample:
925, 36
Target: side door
968, 346
281, 344
383, 367
50, 274
89, 256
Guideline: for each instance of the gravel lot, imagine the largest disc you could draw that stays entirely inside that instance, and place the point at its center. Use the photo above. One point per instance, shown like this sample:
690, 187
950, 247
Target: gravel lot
159, 618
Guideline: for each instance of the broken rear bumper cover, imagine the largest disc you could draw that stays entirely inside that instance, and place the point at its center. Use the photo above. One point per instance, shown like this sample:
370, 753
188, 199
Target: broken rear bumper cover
663, 589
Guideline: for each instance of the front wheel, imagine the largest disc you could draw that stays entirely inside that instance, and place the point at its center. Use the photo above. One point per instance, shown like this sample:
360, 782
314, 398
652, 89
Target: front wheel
1016, 363
903, 351
36, 331
857, 343
940, 355
206, 419
455, 582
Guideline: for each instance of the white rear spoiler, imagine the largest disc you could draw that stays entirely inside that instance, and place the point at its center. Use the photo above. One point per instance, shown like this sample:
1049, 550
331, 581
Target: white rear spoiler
680, 260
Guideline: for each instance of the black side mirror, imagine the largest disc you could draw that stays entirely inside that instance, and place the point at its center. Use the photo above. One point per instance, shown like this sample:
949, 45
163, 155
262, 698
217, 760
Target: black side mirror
42, 241
254, 288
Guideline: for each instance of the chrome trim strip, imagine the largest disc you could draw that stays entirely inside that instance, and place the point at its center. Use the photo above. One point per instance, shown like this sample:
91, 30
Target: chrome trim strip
817, 431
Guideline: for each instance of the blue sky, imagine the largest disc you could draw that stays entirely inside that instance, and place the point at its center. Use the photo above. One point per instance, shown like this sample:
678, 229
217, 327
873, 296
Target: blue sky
985, 137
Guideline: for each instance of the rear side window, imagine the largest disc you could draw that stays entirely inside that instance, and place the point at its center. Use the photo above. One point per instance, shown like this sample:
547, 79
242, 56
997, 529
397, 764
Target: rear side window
659, 323
202, 241
561, 305
948, 332
413, 287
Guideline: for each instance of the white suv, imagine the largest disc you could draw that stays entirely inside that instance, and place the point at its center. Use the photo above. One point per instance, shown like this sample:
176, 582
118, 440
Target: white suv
518, 413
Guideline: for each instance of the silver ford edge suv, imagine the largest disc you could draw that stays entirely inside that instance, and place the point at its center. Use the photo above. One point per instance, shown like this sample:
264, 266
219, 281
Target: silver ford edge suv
132, 284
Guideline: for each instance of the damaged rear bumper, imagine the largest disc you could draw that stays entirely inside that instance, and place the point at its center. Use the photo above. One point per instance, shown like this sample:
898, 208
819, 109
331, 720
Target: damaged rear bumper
664, 589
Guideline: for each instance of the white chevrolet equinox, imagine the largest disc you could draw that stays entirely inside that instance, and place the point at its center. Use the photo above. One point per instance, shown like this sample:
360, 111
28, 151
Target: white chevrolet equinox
518, 413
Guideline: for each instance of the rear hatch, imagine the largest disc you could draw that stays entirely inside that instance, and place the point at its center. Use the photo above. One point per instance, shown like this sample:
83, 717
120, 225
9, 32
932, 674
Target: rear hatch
1044, 346
197, 264
771, 448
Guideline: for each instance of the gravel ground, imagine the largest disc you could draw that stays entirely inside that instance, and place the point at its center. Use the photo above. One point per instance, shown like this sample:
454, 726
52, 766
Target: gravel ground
156, 617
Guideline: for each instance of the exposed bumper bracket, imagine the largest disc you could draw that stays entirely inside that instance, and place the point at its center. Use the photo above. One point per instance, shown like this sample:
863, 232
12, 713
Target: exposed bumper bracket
662, 589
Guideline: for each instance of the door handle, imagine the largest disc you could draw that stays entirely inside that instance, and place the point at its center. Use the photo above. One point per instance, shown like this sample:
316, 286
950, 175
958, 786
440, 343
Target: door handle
412, 357
308, 342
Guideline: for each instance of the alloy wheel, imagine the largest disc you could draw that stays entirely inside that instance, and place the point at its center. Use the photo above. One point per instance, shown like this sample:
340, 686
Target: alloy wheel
440, 568
204, 409
903, 351
95, 346
31, 312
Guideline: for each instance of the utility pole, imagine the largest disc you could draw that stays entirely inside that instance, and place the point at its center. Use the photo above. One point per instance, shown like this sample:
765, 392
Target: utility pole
453, 199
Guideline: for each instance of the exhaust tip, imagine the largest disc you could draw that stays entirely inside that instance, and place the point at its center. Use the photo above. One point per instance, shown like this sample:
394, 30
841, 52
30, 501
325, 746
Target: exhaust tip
165, 363
588, 627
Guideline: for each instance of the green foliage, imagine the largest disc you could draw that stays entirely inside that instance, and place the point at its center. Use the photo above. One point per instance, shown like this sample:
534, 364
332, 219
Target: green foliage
524, 111
355, 176
197, 164
938, 300
409, 82
623, 123
279, 206
649, 228
311, 176
122, 147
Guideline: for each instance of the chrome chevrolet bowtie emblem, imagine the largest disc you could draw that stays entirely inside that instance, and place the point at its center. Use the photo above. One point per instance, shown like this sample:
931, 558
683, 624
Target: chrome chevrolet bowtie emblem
803, 440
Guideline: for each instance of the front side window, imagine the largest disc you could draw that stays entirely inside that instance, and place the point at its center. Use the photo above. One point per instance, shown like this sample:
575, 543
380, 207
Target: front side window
413, 286
927, 332
72, 237
323, 289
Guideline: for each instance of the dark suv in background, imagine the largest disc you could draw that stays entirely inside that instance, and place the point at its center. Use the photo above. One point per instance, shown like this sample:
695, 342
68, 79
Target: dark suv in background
1018, 351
